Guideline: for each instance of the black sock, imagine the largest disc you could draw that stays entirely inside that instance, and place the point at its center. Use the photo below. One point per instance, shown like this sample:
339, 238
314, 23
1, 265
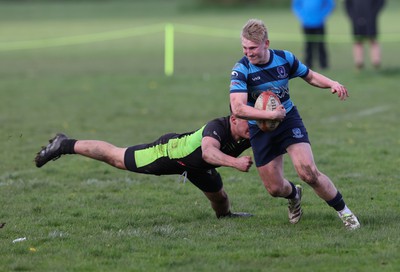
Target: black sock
67, 146
294, 191
337, 202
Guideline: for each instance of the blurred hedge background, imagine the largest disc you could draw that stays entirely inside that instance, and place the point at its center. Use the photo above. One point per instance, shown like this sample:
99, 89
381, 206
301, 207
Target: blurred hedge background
202, 3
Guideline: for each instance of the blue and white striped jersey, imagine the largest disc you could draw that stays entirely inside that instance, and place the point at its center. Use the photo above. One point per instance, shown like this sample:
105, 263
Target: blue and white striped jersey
274, 76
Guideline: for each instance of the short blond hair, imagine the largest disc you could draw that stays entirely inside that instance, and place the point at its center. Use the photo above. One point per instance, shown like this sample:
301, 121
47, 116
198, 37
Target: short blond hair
255, 30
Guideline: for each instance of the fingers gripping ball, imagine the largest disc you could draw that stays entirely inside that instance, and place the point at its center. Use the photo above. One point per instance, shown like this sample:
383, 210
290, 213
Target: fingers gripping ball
267, 101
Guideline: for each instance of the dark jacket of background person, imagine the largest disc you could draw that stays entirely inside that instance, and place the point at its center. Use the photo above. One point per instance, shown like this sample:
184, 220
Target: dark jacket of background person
363, 14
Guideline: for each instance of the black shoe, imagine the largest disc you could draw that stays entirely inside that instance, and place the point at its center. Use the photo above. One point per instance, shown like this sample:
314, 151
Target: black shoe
235, 215
50, 152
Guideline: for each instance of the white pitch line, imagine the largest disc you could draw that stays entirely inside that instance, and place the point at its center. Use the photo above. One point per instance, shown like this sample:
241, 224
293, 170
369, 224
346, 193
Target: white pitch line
362, 113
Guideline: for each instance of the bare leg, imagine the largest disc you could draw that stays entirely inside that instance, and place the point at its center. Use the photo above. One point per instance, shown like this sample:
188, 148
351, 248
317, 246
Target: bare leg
101, 151
219, 202
303, 162
277, 186
272, 177
375, 53
358, 54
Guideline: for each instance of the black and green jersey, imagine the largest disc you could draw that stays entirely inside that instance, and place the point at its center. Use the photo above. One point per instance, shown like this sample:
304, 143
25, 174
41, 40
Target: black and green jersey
183, 149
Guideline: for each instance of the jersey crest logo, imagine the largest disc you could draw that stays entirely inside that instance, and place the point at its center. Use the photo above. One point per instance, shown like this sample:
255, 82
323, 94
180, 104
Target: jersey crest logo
281, 72
234, 74
297, 133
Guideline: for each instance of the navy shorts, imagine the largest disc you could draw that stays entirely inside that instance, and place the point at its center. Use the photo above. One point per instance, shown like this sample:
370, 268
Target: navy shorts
207, 180
269, 145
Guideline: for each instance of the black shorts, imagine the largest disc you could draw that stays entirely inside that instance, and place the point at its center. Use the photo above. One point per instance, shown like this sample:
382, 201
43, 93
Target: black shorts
364, 30
365, 27
269, 145
207, 180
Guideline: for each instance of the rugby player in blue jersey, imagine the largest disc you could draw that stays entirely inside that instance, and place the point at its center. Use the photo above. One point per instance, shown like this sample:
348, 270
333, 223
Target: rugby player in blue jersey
263, 69
194, 154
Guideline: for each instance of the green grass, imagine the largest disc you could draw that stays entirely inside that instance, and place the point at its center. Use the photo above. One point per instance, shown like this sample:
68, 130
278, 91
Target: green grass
81, 215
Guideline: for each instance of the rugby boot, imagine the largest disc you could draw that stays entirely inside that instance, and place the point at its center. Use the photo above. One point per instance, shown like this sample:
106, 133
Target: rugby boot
50, 152
294, 207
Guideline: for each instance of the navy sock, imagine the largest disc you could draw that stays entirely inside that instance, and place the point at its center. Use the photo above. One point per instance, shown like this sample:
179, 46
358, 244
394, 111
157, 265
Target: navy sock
294, 191
337, 202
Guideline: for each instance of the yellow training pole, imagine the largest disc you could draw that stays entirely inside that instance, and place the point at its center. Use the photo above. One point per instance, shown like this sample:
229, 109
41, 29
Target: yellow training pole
169, 50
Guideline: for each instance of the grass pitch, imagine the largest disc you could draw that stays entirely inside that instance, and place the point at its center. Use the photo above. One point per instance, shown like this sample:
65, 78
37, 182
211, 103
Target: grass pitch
82, 215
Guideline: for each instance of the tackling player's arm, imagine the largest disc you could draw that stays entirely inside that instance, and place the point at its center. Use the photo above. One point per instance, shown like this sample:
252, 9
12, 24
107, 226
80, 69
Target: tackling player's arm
241, 110
321, 81
212, 154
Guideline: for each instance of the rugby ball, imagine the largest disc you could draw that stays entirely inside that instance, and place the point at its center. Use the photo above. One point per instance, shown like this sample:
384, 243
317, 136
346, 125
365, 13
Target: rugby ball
267, 101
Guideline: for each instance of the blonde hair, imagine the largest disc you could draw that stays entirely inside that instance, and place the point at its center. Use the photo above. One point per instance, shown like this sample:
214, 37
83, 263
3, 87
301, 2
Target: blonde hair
255, 30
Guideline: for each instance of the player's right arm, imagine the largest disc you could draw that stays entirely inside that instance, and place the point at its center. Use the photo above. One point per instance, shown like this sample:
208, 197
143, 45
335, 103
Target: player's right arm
241, 110
212, 154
